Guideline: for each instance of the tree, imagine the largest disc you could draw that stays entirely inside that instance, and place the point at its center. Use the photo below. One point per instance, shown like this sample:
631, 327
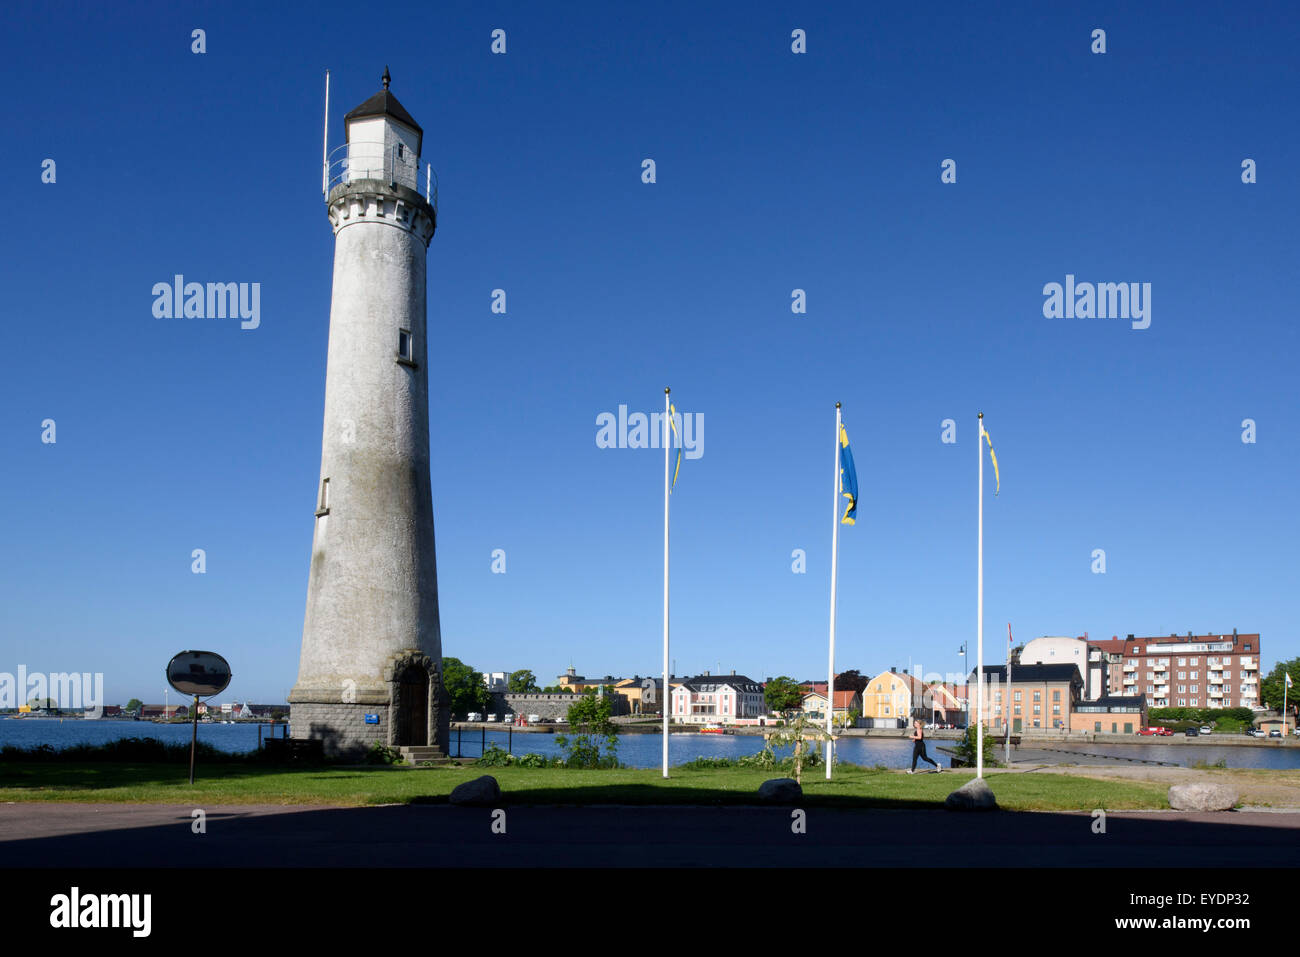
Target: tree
522, 682
800, 732
465, 687
783, 695
851, 681
589, 721
966, 747
135, 704
1272, 687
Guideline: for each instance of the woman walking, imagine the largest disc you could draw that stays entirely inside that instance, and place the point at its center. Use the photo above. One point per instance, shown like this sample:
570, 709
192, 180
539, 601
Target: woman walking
918, 747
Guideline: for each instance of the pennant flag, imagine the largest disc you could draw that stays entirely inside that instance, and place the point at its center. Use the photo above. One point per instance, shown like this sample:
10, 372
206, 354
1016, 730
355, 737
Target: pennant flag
677, 464
1288, 678
848, 479
993, 455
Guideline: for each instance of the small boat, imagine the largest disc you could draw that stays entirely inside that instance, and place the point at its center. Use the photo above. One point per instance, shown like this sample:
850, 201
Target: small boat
711, 729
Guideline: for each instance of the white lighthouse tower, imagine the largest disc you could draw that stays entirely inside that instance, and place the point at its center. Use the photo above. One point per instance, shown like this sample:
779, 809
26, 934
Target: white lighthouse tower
371, 661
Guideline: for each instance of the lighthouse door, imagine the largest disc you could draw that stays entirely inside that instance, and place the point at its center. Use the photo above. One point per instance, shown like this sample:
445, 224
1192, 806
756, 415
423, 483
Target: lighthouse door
413, 707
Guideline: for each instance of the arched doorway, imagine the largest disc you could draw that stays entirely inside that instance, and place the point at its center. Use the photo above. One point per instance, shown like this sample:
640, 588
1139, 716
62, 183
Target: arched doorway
411, 707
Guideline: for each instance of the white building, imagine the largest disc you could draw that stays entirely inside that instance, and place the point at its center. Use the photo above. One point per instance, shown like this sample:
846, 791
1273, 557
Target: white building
1085, 656
718, 699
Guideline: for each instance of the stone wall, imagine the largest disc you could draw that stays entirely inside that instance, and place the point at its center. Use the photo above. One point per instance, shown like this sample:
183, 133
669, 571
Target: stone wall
554, 706
342, 728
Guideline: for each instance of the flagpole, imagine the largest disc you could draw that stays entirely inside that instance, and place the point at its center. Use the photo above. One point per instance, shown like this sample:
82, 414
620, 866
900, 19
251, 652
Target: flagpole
979, 604
1007, 692
667, 697
835, 557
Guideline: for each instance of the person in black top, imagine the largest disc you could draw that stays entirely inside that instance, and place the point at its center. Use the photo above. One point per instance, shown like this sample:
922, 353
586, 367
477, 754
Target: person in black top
918, 747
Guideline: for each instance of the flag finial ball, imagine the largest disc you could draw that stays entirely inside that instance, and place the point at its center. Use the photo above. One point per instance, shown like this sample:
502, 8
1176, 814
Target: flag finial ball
667, 390
981, 415
837, 405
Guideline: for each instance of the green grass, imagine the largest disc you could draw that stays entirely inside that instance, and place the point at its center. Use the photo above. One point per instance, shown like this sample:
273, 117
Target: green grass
350, 786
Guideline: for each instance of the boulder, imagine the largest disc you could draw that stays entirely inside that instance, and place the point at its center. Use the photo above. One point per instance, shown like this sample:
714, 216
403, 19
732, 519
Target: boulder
1202, 797
481, 792
974, 795
780, 791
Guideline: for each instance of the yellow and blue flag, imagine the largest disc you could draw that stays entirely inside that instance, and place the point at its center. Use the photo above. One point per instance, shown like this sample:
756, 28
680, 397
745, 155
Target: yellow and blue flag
848, 479
997, 478
677, 464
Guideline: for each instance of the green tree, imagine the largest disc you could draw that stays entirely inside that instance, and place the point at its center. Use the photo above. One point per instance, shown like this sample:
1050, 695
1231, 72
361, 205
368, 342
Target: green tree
851, 681
783, 695
135, 704
522, 682
589, 723
966, 747
465, 687
1271, 688
802, 732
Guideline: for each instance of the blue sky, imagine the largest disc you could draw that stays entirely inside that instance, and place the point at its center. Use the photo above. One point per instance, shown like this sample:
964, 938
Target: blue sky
775, 171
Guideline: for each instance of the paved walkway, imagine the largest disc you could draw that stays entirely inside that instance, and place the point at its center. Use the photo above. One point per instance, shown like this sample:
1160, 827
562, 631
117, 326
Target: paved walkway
145, 835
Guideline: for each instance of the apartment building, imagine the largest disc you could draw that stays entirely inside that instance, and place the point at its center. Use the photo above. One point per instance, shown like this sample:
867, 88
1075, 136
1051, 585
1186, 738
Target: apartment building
1039, 696
1185, 671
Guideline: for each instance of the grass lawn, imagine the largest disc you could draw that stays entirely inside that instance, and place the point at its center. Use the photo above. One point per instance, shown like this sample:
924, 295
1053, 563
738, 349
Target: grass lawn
348, 786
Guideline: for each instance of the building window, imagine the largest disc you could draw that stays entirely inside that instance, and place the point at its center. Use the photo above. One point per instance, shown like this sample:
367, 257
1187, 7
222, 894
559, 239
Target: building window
1056, 696
1096, 726
1038, 695
1056, 709
1038, 709
1018, 695
323, 508
1195, 688
405, 347
1181, 662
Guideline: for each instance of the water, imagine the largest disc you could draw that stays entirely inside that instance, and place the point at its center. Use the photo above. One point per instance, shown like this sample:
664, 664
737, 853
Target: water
634, 750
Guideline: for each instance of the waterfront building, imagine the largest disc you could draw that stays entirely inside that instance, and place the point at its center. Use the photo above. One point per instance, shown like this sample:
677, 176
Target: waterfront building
1085, 655
718, 699
1040, 696
1188, 671
1109, 714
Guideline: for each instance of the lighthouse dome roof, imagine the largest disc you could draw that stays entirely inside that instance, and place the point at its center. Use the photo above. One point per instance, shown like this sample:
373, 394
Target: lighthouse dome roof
384, 103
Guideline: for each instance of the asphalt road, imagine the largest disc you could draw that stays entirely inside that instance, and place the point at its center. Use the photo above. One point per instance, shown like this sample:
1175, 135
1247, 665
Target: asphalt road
134, 835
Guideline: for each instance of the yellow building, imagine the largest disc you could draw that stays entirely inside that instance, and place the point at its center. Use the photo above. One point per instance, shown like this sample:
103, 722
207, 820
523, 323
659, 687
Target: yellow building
887, 699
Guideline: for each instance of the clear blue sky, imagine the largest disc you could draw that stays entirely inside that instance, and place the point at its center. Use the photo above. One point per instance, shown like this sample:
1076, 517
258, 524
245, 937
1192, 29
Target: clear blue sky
775, 171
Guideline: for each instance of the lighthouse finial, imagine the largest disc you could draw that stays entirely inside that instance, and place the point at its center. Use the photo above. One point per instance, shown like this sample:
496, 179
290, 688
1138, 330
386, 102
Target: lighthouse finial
387, 79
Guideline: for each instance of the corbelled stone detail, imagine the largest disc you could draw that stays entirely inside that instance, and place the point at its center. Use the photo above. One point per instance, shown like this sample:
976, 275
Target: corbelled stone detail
372, 200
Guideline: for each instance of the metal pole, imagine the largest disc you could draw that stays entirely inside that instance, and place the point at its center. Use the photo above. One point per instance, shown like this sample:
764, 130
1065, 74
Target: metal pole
459, 729
194, 734
325, 147
482, 744
1007, 694
667, 442
979, 626
835, 554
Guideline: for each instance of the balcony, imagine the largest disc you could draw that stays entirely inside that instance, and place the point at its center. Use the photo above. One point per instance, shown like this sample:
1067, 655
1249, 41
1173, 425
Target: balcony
396, 167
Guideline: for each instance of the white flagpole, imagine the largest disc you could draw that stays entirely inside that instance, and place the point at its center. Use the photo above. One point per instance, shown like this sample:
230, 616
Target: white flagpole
1006, 694
325, 148
667, 698
979, 628
835, 556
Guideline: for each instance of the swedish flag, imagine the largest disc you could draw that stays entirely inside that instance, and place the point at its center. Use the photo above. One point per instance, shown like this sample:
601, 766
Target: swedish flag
677, 465
848, 479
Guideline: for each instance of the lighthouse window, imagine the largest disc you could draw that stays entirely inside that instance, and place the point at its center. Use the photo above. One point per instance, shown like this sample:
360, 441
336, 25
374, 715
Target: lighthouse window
405, 347
324, 506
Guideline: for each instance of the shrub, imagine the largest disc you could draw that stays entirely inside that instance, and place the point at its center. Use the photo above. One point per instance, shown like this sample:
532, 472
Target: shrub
495, 757
383, 754
532, 760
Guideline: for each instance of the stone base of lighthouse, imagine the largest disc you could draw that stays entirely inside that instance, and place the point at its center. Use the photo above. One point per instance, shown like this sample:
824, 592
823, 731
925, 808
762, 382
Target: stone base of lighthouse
404, 706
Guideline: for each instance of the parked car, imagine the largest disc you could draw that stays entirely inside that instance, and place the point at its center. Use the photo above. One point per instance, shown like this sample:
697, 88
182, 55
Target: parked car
534, 719
474, 716
1191, 732
1157, 732
508, 718
1255, 732
1206, 729
491, 717
1275, 733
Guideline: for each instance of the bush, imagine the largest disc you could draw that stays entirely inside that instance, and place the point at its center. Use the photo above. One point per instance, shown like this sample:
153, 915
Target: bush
966, 748
532, 760
125, 750
383, 754
495, 757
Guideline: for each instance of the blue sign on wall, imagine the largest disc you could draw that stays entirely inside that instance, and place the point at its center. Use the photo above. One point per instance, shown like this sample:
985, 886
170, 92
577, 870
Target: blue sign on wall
372, 719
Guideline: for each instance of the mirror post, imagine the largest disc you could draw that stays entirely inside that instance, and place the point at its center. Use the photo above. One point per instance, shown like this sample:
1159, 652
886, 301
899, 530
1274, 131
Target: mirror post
194, 734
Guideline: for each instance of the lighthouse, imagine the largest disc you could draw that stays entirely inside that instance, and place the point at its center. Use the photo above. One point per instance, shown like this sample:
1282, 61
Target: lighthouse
371, 664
